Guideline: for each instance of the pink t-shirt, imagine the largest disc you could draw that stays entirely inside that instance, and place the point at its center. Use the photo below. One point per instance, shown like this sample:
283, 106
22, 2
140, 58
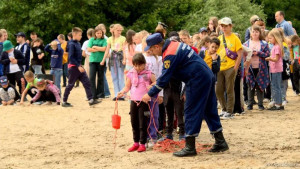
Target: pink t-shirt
255, 46
139, 83
276, 67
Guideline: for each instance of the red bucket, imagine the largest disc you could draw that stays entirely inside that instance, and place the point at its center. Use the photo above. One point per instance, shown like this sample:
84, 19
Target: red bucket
116, 121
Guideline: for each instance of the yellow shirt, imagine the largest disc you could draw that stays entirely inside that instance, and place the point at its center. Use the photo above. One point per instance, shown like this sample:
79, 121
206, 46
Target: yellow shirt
65, 56
234, 44
208, 59
116, 44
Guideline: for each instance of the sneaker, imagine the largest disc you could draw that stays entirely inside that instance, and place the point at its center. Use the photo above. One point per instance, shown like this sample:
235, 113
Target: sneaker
271, 104
152, 143
261, 108
222, 113
134, 147
121, 99
38, 103
114, 99
93, 102
250, 107
226, 116
141, 148
274, 108
281, 107
284, 102
108, 96
66, 104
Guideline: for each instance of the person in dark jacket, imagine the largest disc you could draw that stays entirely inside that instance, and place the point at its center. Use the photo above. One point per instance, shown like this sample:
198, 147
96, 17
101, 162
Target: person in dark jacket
24, 48
8, 92
181, 62
13, 61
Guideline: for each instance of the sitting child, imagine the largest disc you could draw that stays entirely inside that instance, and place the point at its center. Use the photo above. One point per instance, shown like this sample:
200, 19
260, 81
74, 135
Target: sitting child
8, 92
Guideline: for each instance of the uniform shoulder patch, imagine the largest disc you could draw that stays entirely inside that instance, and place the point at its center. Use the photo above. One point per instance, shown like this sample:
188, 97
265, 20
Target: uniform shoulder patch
172, 49
167, 64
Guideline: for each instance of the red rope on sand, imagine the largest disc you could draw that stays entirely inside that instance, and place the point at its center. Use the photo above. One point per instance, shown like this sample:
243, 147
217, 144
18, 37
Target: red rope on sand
115, 137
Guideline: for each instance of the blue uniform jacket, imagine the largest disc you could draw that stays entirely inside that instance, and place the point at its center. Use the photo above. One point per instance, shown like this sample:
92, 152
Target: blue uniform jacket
180, 62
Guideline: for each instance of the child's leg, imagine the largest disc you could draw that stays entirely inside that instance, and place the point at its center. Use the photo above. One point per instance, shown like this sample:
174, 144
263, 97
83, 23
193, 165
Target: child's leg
169, 104
276, 87
11, 94
114, 75
106, 88
121, 83
284, 86
100, 83
296, 77
86, 84
179, 108
142, 122
162, 117
65, 74
92, 78
260, 95
73, 76
134, 116
220, 89
251, 93
154, 119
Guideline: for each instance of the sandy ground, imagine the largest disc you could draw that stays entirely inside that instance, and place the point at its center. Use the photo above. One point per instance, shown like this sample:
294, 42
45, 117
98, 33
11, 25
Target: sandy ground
82, 138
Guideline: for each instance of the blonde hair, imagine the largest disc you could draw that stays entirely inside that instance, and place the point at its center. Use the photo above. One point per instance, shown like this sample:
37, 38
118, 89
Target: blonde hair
253, 18
76, 30
276, 34
143, 34
3, 31
101, 26
91, 32
114, 27
184, 33
29, 74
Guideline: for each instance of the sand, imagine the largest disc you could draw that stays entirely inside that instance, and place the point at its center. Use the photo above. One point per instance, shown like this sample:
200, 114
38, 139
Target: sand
82, 138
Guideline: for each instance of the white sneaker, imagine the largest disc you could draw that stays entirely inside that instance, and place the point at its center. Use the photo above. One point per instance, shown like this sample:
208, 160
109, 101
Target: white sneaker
222, 113
284, 103
271, 104
226, 116
151, 144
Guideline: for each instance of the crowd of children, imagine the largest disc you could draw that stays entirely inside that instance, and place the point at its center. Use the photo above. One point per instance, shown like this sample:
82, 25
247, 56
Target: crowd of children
260, 66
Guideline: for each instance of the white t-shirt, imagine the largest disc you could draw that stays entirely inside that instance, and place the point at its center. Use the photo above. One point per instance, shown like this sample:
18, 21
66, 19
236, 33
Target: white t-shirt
13, 68
155, 66
85, 46
138, 48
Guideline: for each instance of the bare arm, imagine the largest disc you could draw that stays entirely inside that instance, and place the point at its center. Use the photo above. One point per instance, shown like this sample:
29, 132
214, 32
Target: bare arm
238, 60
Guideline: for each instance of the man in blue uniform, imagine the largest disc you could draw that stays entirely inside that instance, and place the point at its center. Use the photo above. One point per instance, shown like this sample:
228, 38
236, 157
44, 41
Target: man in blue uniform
182, 63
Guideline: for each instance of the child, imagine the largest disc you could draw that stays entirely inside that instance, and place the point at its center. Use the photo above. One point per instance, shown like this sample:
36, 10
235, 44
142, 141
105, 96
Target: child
296, 65
63, 45
85, 52
138, 81
13, 61
24, 48
76, 71
276, 68
97, 46
8, 93
185, 38
129, 49
116, 43
258, 75
154, 64
56, 61
38, 55
4, 34
47, 92
204, 43
138, 42
203, 33
211, 57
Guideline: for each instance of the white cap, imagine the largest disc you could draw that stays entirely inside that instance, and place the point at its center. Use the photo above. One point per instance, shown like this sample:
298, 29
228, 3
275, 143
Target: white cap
226, 21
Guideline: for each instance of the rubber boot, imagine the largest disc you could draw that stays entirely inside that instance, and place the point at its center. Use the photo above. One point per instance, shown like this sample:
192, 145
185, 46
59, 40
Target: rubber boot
220, 143
188, 150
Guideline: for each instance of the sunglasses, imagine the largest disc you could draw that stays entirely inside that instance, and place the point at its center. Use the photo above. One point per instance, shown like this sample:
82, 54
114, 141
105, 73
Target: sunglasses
258, 19
163, 24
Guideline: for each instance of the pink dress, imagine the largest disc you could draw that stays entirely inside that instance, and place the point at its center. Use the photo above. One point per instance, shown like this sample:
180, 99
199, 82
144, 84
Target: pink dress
139, 83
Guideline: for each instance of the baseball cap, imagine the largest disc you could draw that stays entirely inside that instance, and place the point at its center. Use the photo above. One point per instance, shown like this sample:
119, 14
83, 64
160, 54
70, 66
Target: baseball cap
3, 80
226, 21
203, 29
21, 34
153, 40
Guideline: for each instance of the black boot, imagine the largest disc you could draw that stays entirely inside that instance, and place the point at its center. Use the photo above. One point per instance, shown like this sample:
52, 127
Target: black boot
220, 144
188, 150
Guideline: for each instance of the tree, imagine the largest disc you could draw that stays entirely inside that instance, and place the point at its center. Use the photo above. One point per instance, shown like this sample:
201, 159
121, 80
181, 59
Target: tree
239, 11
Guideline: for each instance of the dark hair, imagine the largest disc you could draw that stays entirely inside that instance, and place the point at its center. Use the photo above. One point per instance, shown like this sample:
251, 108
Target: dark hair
62, 36
39, 40
295, 38
98, 29
216, 41
257, 28
76, 30
281, 13
129, 34
174, 36
138, 59
33, 33
70, 35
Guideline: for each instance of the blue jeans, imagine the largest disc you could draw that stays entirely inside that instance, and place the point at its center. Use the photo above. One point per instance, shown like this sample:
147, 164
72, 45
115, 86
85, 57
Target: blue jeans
106, 88
65, 73
276, 79
117, 74
37, 69
57, 77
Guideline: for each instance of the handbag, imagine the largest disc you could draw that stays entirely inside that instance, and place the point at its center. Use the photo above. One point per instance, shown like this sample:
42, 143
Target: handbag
229, 53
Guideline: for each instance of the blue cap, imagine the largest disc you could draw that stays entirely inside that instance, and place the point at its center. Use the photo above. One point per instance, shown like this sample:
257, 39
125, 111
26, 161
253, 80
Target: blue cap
21, 34
3, 80
153, 40
203, 29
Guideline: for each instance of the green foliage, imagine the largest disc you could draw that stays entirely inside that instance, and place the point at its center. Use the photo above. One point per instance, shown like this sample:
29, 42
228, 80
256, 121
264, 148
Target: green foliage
239, 11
